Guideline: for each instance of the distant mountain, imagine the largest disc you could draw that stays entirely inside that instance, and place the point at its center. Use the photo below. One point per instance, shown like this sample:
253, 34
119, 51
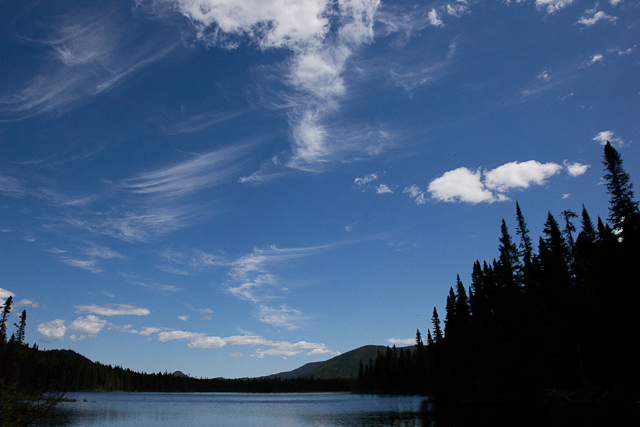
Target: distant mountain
296, 373
346, 365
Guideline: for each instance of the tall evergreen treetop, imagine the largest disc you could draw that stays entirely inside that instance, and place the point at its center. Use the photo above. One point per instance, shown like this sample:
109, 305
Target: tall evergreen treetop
6, 309
587, 225
526, 246
620, 188
21, 327
436, 326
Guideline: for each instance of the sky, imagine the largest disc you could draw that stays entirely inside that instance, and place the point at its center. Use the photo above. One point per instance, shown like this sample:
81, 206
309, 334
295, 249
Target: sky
237, 188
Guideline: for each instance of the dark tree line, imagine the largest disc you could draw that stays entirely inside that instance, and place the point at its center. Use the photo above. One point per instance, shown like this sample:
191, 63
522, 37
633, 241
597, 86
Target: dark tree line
564, 317
34, 371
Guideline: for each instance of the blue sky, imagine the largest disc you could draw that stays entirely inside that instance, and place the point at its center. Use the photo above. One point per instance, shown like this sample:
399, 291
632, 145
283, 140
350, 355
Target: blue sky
238, 188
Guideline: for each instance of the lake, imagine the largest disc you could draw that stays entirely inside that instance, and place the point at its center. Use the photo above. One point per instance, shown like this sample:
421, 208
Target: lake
240, 410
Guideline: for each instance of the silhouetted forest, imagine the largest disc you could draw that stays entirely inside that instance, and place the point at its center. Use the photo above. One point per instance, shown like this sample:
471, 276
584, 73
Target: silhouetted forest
35, 371
559, 320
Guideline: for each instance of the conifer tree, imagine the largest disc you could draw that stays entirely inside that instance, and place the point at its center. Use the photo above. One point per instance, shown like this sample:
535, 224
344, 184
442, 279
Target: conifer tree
449, 318
569, 228
6, 309
526, 248
435, 320
21, 327
587, 225
622, 206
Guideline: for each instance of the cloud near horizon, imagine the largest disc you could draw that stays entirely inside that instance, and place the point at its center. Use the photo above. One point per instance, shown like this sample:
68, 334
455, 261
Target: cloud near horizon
274, 348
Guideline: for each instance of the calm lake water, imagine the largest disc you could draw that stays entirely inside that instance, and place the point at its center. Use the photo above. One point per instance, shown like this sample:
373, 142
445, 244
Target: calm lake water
239, 410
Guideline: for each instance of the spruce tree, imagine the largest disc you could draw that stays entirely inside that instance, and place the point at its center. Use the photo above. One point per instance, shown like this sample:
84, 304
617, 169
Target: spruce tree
587, 225
622, 206
526, 248
569, 228
21, 327
6, 309
435, 320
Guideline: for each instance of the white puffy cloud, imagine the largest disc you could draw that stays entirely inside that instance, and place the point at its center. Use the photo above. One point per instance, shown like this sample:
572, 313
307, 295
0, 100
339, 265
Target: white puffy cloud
434, 18
460, 185
519, 175
575, 169
4, 294
52, 331
206, 342
317, 63
608, 135
178, 335
285, 23
593, 16
88, 327
113, 310
464, 185
184, 317
552, 6
383, 189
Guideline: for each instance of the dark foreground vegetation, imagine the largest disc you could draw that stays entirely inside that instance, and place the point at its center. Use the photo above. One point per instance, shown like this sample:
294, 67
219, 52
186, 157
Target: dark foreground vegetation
558, 324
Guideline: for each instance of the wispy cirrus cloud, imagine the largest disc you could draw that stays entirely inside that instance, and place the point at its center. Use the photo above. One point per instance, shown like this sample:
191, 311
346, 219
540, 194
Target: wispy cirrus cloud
85, 264
188, 177
199, 122
88, 52
161, 200
26, 303
10, 186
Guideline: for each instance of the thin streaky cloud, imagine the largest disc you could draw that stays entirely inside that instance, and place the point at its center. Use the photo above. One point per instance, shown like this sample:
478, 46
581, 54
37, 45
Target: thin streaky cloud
113, 310
10, 186
200, 122
89, 53
188, 177
90, 265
